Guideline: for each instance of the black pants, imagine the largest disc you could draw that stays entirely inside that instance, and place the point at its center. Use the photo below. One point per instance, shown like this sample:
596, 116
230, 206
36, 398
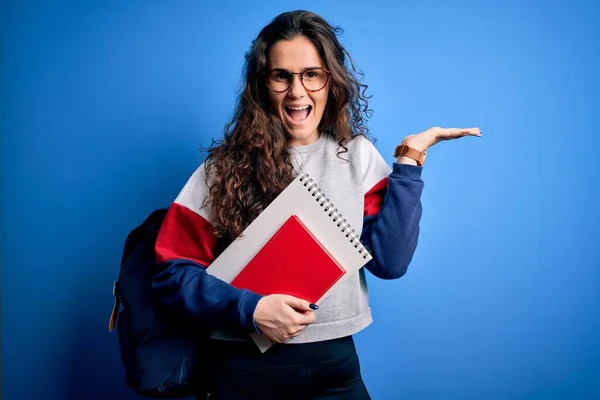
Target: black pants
322, 370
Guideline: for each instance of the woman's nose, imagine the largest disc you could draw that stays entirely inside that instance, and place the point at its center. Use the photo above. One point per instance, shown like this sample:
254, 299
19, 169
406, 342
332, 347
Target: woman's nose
297, 90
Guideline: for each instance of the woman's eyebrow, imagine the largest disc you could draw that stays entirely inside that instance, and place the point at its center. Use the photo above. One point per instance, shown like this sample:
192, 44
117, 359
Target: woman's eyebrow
302, 70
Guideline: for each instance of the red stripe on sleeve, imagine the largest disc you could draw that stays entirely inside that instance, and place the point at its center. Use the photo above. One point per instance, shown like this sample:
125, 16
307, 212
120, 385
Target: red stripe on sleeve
374, 198
185, 235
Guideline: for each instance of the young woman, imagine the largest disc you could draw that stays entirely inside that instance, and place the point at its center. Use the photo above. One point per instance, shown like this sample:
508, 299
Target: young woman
302, 110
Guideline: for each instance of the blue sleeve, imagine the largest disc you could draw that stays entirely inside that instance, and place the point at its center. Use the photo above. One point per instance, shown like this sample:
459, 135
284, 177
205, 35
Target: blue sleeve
184, 287
391, 235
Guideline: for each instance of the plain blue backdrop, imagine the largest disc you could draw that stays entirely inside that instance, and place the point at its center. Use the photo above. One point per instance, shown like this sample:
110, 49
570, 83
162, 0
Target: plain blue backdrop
105, 106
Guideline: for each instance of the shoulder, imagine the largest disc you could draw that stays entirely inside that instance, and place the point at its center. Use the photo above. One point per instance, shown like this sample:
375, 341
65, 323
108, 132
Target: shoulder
363, 147
195, 190
373, 166
357, 143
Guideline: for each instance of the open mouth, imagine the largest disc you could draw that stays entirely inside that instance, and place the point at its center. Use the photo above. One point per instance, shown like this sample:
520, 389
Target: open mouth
298, 114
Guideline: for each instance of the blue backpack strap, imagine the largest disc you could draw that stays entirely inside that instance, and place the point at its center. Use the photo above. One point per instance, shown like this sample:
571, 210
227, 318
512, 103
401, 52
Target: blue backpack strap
148, 230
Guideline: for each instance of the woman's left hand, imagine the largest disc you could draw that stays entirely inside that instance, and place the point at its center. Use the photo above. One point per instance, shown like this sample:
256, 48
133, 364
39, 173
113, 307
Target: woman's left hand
424, 140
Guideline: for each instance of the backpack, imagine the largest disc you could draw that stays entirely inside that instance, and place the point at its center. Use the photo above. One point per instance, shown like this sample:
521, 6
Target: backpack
162, 357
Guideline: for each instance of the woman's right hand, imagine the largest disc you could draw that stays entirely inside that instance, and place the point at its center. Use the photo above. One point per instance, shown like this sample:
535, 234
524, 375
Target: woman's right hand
281, 317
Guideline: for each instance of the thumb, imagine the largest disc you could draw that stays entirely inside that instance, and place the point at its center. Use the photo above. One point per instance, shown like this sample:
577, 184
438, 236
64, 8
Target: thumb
299, 304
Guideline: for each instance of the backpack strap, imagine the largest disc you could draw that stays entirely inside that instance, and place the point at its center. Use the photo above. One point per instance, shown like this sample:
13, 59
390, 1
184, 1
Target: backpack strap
151, 225
115, 310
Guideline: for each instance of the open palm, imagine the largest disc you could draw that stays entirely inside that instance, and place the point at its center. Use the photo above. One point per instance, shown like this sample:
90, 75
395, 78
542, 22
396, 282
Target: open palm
424, 140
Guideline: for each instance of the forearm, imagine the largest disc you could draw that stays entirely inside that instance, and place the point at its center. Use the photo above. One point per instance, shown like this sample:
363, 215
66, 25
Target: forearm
185, 288
392, 234
406, 160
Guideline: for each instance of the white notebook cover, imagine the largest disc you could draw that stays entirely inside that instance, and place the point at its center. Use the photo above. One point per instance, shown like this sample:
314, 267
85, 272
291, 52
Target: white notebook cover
295, 199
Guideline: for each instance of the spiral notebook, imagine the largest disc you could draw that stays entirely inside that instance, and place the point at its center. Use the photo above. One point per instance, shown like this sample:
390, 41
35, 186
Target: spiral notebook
293, 262
299, 245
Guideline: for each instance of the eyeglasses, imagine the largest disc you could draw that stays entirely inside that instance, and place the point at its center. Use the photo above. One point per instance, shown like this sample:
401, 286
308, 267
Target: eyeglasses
313, 79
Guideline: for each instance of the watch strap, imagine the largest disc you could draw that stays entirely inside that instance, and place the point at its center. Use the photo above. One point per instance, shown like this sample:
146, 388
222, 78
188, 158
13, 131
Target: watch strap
407, 151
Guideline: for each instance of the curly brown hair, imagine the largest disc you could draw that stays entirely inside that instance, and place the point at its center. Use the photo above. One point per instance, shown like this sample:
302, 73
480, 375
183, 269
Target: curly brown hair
252, 164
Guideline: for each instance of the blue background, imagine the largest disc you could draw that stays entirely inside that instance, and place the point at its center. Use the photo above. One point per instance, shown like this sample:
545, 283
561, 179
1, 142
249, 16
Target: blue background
105, 106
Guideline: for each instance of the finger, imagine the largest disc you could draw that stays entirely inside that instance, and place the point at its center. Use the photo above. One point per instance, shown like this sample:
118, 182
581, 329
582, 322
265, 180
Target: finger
293, 335
297, 331
473, 132
465, 131
453, 133
306, 319
450, 133
298, 304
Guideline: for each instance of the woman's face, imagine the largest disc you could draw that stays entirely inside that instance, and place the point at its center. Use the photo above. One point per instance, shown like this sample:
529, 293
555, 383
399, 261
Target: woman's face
300, 110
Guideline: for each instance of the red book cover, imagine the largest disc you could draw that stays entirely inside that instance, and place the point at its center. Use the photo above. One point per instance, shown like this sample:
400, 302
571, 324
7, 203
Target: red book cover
292, 262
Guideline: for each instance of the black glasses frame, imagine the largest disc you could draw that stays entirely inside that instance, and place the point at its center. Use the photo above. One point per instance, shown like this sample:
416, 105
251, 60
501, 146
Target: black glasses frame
301, 74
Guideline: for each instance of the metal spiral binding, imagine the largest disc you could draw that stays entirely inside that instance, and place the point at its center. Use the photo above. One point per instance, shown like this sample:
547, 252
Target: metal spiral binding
324, 203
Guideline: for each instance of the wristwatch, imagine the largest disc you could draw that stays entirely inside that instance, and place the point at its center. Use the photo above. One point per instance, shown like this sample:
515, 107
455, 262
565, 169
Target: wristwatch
404, 150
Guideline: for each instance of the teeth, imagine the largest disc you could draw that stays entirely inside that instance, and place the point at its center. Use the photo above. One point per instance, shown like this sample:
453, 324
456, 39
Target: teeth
298, 108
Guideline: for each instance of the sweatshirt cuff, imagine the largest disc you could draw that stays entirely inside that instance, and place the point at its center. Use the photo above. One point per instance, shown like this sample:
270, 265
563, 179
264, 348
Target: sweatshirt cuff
407, 171
248, 304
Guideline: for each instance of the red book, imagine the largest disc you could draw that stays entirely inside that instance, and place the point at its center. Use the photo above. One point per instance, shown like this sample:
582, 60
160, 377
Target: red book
292, 262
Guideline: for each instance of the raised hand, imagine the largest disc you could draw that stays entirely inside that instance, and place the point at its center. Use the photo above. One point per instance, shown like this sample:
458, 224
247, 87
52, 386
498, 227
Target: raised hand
424, 140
